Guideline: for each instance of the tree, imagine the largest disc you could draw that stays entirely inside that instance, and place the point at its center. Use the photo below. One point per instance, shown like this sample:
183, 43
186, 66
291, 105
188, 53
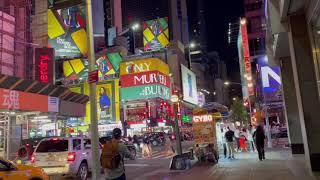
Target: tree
238, 112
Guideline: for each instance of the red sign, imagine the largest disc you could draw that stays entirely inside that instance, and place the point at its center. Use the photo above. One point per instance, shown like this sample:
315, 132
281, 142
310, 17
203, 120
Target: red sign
44, 64
247, 62
145, 78
93, 77
17, 100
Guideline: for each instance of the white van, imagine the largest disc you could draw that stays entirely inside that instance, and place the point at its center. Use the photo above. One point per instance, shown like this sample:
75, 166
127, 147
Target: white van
64, 156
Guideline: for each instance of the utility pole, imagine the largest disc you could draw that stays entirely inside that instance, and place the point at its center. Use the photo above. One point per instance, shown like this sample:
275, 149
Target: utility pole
93, 100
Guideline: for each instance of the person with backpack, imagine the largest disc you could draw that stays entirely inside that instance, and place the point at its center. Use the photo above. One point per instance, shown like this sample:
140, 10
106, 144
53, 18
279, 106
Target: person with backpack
112, 156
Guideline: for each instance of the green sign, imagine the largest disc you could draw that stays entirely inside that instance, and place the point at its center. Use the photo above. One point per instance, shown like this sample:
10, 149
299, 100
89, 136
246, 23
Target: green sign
186, 119
145, 92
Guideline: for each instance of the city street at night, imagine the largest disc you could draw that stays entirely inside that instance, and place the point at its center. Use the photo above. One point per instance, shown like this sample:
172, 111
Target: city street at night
159, 90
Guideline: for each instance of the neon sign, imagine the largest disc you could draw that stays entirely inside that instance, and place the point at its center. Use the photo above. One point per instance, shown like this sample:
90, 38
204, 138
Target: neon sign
247, 62
202, 118
44, 64
43, 68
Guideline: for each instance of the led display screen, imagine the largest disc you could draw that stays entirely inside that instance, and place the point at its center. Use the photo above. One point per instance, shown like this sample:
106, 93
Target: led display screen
155, 34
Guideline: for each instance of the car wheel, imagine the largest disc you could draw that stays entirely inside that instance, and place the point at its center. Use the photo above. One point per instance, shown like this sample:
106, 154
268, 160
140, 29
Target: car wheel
83, 171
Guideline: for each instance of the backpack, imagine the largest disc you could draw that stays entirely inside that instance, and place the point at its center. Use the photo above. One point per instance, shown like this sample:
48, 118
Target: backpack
110, 157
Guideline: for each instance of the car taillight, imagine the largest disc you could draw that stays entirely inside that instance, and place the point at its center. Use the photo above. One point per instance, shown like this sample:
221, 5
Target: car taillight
71, 156
33, 158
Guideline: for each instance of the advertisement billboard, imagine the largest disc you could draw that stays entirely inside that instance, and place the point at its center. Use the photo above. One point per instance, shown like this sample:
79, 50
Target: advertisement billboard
44, 65
144, 65
144, 79
108, 64
246, 58
67, 29
155, 34
270, 81
189, 85
108, 104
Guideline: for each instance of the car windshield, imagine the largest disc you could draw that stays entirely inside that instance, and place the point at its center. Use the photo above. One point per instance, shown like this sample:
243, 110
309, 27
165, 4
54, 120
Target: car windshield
53, 145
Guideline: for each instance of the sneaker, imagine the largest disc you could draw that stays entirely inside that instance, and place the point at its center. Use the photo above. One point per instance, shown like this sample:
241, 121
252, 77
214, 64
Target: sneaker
229, 157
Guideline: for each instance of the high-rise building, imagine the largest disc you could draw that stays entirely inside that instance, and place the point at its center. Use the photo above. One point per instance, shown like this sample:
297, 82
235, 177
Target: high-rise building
256, 26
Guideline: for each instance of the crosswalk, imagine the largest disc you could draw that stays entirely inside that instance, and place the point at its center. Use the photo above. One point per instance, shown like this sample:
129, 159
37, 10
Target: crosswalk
156, 155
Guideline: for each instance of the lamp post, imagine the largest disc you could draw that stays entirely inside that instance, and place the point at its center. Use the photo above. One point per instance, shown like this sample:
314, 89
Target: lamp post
134, 28
175, 100
93, 100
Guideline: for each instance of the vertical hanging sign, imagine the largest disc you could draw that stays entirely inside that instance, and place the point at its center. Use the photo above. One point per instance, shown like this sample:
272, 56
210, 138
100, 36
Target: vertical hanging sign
44, 65
247, 62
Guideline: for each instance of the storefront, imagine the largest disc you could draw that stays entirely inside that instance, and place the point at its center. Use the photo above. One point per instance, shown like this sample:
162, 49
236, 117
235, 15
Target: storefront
145, 94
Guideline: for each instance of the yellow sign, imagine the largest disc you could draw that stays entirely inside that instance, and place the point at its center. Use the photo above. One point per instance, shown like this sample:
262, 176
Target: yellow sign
144, 65
108, 101
204, 132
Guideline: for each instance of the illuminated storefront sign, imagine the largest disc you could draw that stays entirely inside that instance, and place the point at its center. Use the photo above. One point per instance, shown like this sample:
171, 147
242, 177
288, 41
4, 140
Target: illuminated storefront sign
203, 118
18, 100
247, 62
144, 65
145, 92
145, 78
189, 85
44, 64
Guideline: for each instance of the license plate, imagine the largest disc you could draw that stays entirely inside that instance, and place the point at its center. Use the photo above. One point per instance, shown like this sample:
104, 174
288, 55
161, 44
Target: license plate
50, 158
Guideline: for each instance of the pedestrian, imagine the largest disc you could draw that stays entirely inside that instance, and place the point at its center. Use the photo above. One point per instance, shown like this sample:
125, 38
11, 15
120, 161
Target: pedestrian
136, 142
223, 142
250, 138
168, 146
146, 147
113, 153
199, 153
237, 137
259, 140
243, 140
230, 140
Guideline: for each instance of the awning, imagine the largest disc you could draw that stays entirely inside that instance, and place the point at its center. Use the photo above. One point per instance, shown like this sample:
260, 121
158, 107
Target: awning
32, 86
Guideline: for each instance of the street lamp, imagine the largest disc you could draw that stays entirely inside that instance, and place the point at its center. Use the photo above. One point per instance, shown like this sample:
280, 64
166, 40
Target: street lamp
227, 83
135, 27
243, 21
234, 98
175, 100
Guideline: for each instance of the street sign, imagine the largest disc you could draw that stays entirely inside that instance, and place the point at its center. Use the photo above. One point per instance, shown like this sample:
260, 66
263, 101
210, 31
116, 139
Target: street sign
93, 77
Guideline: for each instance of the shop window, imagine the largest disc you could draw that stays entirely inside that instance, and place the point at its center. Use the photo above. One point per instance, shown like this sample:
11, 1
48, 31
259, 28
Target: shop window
76, 144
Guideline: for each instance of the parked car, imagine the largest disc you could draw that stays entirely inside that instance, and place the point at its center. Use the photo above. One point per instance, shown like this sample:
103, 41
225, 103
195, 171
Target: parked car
129, 145
11, 171
156, 138
64, 156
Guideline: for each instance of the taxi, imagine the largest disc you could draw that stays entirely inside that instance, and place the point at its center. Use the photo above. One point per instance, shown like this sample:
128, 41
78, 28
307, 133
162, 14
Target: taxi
10, 171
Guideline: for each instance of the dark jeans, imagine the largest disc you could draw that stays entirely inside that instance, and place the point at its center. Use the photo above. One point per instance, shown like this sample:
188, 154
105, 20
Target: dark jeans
238, 143
261, 152
225, 149
122, 177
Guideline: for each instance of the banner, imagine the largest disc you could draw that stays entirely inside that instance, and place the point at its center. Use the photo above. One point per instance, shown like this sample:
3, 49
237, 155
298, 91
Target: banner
155, 34
67, 29
145, 78
44, 59
108, 104
144, 65
18, 100
145, 92
189, 85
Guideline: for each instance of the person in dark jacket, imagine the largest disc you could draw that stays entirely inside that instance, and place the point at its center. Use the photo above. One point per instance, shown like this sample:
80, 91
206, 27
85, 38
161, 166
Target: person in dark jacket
259, 140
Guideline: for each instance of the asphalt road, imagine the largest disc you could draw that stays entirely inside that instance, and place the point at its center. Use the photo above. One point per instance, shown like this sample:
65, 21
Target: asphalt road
142, 168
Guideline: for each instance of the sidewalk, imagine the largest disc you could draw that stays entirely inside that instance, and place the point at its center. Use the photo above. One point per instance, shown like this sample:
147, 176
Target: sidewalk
280, 165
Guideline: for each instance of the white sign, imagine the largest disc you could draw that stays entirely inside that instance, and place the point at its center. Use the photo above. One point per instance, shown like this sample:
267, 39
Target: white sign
11, 99
190, 93
53, 104
202, 118
109, 127
266, 71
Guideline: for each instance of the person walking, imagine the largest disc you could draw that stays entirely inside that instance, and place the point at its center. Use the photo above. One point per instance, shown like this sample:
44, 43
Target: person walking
230, 140
136, 142
259, 140
237, 137
223, 142
112, 156
243, 141
250, 138
168, 146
